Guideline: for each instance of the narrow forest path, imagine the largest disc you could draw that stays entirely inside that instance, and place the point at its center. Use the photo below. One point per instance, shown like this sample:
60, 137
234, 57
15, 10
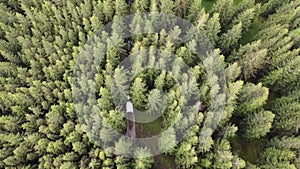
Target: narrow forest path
130, 115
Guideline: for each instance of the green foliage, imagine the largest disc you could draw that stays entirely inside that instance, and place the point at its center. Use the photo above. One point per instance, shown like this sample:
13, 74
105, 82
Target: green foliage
225, 9
246, 18
116, 120
181, 7
167, 6
194, 10
186, 156
251, 98
140, 6
229, 131
120, 85
276, 158
252, 58
138, 93
286, 142
285, 108
105, 101
222, 155
213, 28
258, 124
123, 146
144, 158
238, 163
167, 140
41, 104
122, 162
230, 39
232, 95
270, 7
205, 140
121, 8
156, 102
172, 113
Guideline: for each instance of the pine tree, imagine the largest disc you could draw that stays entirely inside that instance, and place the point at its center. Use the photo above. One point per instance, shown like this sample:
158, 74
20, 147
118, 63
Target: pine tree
233, 91
122, 162
141, 6
205, 140
157, 102
195, 10
154, 6
276, 158
107, 135
186, 155
230, 39
116, 120
270, 7
108, 10
144, 158
167, 6
120, 86
238, 163
172, 113
222, 155
225, 9
252, 58
105, 101
286, 142
181, 7
281, 78
258, 124
229, 131
251, 98
246, 18
55, 147
213, 28
138, 92
121, 8
167, 140
123, 146
285, 14
232, 72
287, 114
79, 147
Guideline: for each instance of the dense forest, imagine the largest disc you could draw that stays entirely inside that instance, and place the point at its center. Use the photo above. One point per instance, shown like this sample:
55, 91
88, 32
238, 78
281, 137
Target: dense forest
251, 88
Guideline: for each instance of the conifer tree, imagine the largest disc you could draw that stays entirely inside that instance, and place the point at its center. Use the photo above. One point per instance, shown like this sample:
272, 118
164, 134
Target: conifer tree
270, 7
252, 58
230, 39
138, 92
194, 10
287, 114
186, 155
258, 124
121, 8
285, 142
246, 18
167, 140
181, 7
141, 6
144, 159
108, 10
222, 155
251, 98
225, 9
276, 158
167, 6
213, 28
